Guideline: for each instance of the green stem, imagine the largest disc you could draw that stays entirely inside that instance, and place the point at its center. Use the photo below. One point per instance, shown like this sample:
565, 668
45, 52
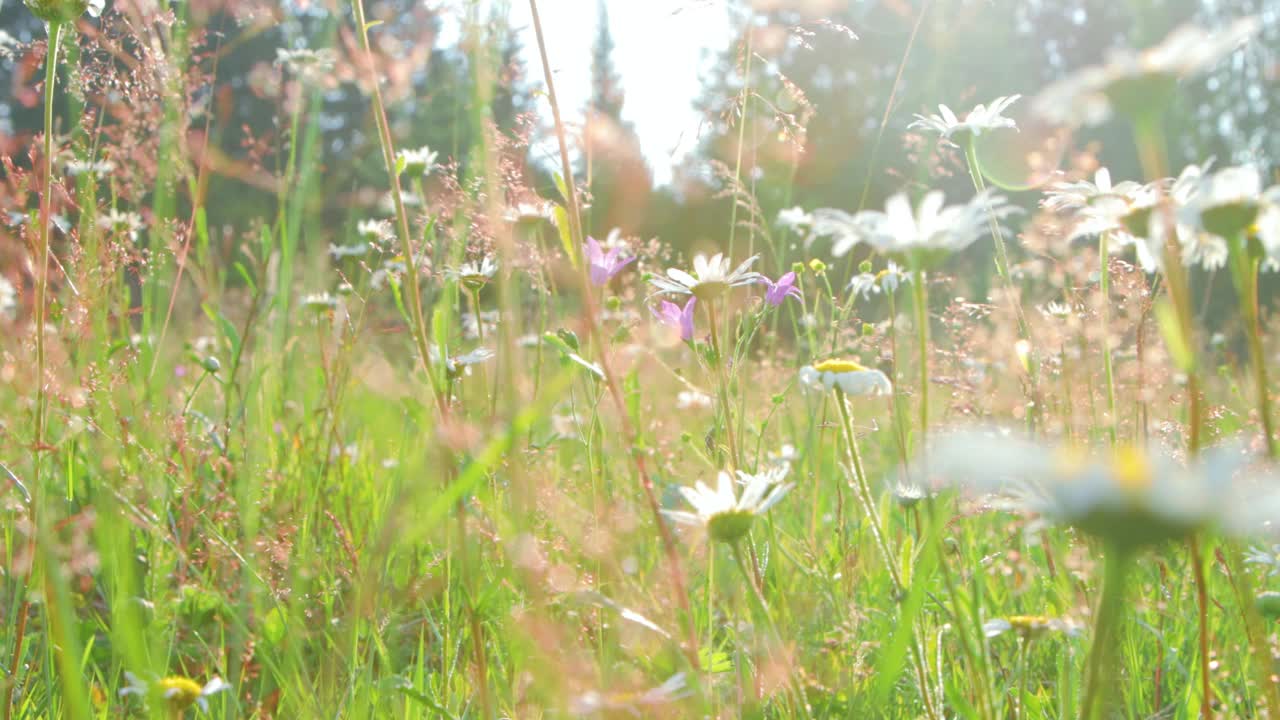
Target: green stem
762, 610
1245, 273
1202, 607
922, 336
723, 381
402, 216
1023, 668
864, 494
1098, 678
1105, 316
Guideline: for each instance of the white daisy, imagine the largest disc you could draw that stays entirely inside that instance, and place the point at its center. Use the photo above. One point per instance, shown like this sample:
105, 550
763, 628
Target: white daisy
1224, 203
416, 163
374, 230
711, 277
456, 367
979, 120
1099, 206
474, 274
851, 377
121, 222
726, 516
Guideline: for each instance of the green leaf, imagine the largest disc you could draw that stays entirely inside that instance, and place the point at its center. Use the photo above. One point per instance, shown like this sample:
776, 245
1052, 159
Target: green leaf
566, 236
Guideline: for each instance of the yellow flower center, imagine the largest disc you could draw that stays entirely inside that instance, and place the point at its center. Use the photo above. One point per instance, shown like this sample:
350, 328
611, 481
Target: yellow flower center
1131, 469
179, 691
838, 366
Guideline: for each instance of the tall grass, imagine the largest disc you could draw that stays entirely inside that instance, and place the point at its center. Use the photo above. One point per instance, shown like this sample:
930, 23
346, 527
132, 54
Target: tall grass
227, 454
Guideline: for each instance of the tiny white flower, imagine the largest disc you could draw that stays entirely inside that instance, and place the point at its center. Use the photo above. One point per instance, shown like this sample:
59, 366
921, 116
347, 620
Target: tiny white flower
416, 163
122, 222
794, 218
178, 692
687, 399
476, 273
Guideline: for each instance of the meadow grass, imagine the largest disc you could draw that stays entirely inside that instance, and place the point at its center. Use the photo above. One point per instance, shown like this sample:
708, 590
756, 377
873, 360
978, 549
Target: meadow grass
444, 479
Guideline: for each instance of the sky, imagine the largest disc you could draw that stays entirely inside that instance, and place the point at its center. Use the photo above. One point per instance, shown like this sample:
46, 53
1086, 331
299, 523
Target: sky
658, 54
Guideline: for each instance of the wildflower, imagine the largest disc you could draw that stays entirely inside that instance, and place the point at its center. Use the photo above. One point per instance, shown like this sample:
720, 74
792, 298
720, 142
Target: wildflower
374, 230
1269, 558
1055, 309
899, 229
179, 692
319, 301
711, 278
892, 276
123, 222
603, 266
781, 290
794, 218
1128, 496
979, 120
308, 65
1029, 626
76, 166
1136, 82
784, 455
672, 315
360, 249
474, 274
687, 399
851, 377
1100, 207
595, 702
864, 284
1225, 203
456, 367
908, 491
726, 516
476, 327
525, 213
416, 163
64, 11
8, 299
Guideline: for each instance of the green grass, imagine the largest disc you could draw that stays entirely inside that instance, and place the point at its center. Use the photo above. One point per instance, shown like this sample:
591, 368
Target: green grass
336, 525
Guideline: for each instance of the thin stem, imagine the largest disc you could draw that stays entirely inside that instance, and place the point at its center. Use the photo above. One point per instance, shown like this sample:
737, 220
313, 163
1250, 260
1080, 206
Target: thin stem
678, 587
762, 609
922, 337
1105, 318
1202, 606
402, 216
864, 494
1245, 274
723, 381
1098, 679
1023, 668
42, 285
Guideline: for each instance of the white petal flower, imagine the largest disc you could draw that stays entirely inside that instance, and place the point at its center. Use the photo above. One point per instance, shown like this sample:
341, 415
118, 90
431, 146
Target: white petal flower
710, 279
474, 274
794, 218
979, 120
901, 229
726, 516
416, 163
851, 377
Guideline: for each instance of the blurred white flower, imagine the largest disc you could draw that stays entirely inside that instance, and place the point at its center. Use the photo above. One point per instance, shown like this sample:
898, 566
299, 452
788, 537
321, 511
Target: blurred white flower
902, 229
458, 366
1129, 496
633, 704
8, 299
474, 274
1100, 207
121, 222
1030, 627
979, 120
308, 65
374, 230
851, 377
1132, 81
794, 218
687, 399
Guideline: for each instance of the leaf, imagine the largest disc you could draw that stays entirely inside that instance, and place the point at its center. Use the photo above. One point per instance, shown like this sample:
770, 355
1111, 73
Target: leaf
566, 235
274, 626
